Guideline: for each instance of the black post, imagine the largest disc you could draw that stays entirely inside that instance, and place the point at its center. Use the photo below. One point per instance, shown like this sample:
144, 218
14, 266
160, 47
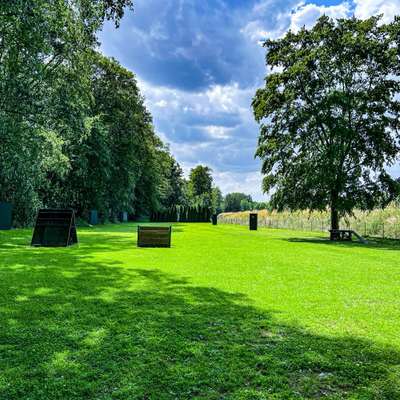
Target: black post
214, 219
5, 216
93, 217
123, 216
253, 221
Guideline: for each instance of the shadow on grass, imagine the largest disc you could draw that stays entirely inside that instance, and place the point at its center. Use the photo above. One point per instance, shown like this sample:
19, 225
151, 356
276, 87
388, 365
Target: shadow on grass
99, 238
75, 328
375, 243
132, 226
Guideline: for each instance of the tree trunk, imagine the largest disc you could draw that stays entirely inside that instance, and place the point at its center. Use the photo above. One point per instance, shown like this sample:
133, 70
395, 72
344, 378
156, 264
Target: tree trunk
334, 210
334, 224
334, 218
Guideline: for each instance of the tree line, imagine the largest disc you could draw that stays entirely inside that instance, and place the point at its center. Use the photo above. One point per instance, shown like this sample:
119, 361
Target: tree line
74, 129
237, 201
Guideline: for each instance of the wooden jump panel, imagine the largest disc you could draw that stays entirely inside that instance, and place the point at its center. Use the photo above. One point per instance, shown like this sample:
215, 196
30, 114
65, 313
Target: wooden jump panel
157, 236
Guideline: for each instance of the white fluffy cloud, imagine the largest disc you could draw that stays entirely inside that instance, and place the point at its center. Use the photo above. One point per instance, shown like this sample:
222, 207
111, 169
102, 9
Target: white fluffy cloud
307, 14
293, 17
249, 183
367, 8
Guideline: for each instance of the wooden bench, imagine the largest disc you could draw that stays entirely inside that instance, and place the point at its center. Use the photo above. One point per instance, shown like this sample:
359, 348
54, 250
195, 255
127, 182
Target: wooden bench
154, 236
345, 235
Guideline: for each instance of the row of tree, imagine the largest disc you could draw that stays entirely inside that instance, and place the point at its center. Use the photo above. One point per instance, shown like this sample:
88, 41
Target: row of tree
74, 130
199, 192
242, 202
182, 214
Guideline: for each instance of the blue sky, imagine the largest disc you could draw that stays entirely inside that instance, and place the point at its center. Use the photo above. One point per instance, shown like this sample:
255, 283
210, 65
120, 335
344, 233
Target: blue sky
199, 62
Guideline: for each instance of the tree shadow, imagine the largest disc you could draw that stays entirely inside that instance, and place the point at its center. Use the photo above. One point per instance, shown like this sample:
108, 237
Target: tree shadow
132, 226
75, 328
98, 238
373, 243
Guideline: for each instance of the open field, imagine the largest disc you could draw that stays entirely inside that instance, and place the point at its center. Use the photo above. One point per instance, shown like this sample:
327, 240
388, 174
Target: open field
224, 314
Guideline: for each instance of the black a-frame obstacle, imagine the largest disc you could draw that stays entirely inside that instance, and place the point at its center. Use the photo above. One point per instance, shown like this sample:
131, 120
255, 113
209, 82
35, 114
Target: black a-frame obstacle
55, 228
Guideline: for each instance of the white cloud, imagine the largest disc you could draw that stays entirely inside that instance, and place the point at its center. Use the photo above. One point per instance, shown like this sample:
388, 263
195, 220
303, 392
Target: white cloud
367, 8
162, 103
259, 27
228, 100
218, 132
224, 97
293, 17
246, 182
189, 151
307, 14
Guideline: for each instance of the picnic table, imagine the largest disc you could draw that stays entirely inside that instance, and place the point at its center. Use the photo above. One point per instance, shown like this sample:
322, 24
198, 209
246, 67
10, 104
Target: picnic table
345, 235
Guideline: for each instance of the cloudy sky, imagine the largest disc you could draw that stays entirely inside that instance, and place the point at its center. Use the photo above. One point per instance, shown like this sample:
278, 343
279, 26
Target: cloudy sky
199, 62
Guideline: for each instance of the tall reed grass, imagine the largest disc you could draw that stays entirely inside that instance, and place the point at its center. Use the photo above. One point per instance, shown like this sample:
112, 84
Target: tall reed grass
383, 223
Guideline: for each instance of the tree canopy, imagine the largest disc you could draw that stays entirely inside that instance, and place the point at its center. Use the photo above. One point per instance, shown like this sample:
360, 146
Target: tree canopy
329, 115
200, 186
74, 130
234, 201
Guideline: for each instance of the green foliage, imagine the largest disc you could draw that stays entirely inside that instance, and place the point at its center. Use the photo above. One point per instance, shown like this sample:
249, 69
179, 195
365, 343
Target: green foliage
200, 180
260, 205
132, 142
217, 200
330, 116
233, 201
73, 126
222, 314
42, 69
200, 186
246, 205
173, 183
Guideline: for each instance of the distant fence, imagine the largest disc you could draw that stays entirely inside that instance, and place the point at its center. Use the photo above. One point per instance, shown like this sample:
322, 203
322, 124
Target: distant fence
375, 224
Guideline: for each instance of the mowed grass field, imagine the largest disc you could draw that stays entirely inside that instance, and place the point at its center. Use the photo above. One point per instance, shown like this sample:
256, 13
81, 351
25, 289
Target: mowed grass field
224, 314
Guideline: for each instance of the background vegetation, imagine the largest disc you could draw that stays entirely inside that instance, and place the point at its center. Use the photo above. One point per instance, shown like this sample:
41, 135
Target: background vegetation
379, 222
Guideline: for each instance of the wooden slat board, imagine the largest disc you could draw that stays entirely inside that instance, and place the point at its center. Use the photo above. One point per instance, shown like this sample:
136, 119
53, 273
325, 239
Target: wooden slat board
157, 236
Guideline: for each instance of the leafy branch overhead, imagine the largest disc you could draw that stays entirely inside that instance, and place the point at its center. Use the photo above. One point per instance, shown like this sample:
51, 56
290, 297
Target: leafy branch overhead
329, 115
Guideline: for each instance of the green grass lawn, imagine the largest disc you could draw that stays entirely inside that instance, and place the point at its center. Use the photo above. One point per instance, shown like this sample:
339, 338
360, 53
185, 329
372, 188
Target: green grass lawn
224, 314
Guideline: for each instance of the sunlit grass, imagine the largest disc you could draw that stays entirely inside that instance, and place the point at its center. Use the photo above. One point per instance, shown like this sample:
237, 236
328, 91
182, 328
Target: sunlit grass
224, 314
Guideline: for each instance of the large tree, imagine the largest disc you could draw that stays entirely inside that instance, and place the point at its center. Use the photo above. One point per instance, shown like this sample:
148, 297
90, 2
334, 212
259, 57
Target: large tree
45, 47
217, 200
200, 186
172, 183
329, 115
